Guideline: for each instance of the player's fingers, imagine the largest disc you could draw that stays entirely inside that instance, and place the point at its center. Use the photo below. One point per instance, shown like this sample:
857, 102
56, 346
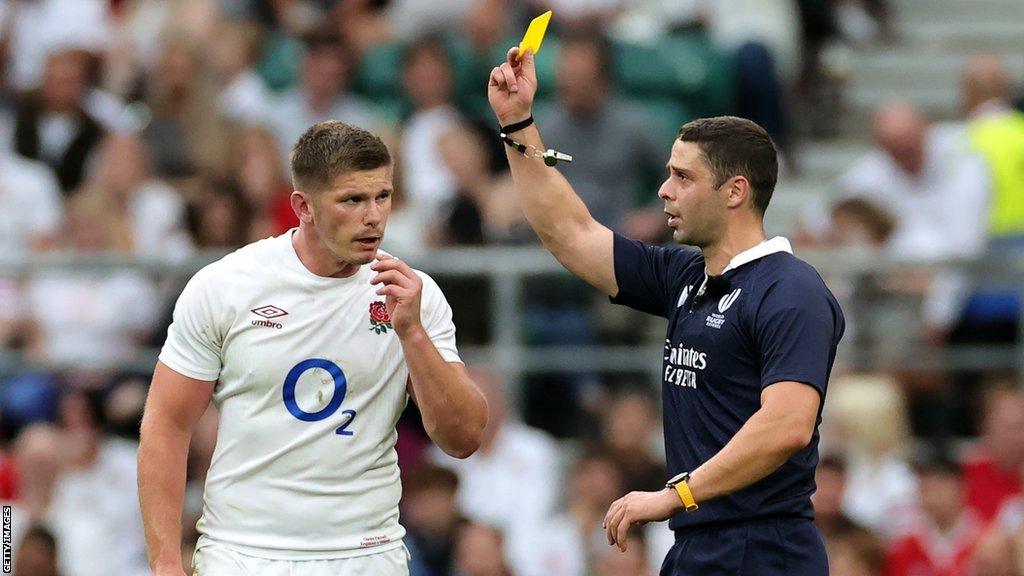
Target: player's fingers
391, 264
400, 266
397, 279
383, 276
510, 77
391, 277
382, 265
395, 291
403, 267
384, 260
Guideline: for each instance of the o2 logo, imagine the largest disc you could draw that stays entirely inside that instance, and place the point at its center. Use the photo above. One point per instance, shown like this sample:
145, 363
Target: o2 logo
340, 389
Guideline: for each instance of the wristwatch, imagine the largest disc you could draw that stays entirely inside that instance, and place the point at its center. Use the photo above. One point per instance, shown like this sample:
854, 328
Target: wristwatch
681, 485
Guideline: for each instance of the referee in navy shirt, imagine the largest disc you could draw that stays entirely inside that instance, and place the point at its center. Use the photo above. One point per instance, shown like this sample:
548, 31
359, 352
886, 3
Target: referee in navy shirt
752, 335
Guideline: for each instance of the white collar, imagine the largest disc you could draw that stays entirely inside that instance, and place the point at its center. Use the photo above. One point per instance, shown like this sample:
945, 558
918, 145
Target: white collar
776, 244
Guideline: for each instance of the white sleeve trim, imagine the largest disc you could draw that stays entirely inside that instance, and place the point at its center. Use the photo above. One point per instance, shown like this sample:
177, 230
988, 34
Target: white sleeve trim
188, 371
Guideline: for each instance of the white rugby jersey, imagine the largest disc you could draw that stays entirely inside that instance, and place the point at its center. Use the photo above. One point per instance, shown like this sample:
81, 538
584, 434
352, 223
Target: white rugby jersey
311, 381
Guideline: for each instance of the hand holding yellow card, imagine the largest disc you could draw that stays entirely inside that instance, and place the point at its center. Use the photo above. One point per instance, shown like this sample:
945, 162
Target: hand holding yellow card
534, 34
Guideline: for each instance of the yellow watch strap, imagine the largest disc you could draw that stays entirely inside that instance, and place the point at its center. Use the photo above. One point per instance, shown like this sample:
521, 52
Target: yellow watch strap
683, 490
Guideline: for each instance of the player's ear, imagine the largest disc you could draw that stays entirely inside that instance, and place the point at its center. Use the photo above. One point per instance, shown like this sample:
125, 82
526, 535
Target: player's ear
737, 191
302, 206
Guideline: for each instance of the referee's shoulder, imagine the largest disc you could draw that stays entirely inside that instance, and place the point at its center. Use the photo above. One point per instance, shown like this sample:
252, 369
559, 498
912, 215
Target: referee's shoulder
679, 254
672, 255
788, 271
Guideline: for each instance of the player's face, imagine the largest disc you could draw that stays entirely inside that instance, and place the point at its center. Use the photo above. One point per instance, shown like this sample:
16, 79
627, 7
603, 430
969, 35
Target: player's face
695, 207
350, 216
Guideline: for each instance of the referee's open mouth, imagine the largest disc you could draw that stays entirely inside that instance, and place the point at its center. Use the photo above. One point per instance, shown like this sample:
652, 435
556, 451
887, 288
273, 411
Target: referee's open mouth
672, 219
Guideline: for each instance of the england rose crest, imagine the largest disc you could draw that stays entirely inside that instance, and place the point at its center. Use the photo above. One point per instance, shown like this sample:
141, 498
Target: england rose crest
380, 320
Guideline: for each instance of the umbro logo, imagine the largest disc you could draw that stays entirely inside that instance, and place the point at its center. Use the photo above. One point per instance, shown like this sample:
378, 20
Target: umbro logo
268, 312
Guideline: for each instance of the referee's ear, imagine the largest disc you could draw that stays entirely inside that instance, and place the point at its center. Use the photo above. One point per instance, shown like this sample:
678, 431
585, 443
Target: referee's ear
738, 192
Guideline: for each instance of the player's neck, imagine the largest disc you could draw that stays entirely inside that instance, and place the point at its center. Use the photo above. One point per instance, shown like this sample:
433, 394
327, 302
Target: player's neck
735, 241
317, 258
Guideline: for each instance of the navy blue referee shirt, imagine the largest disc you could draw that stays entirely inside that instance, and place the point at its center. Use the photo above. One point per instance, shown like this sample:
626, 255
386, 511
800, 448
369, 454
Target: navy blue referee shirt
773, 321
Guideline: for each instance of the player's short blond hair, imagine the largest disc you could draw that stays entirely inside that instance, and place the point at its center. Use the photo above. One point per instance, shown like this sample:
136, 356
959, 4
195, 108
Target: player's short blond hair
332, 148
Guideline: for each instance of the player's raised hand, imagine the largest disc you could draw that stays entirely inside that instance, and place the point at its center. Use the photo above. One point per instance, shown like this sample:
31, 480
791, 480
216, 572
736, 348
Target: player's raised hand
638, 508
512, 87
403, 288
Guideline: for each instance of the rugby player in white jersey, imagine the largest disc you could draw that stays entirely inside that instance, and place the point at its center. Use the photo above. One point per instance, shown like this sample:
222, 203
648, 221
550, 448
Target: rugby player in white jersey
309, 344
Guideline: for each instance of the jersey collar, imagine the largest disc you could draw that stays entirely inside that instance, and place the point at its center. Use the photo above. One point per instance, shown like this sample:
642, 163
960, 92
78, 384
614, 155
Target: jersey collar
776, 244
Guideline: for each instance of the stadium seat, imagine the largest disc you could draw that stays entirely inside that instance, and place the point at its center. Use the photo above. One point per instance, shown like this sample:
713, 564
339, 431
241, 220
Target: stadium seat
687, 67
378, 78
667, 115
279, 66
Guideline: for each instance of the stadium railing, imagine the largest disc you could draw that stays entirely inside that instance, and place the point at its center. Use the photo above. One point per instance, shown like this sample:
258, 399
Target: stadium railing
507, 268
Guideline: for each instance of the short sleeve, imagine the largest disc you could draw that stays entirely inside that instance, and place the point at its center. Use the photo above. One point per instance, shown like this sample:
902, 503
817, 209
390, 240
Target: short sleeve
436, 315
647, 275
798, 326
193, 345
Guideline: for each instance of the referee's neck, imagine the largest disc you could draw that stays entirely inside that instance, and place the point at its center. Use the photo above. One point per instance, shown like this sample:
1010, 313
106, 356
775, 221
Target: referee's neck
736, 240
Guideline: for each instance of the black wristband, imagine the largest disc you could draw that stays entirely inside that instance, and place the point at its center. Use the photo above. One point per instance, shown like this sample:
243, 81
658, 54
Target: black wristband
517, 126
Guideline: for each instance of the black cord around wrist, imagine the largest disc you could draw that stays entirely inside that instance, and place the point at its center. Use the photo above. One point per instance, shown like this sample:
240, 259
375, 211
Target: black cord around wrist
517, 126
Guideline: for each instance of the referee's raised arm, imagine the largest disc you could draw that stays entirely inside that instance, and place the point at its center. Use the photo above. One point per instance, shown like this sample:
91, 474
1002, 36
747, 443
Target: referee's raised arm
554, 211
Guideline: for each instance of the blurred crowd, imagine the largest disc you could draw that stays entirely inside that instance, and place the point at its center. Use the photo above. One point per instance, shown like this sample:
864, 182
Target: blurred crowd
937, 191
160, 129
929, 194
527, 504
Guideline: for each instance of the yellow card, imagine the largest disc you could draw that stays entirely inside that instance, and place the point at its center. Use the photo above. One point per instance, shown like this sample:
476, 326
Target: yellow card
534, 34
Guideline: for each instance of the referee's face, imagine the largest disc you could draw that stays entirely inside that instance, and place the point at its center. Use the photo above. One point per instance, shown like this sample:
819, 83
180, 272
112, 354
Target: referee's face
350, 216
695, 208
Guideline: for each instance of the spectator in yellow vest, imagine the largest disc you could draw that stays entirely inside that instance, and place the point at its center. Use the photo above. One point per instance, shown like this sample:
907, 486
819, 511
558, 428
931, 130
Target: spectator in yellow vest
996, 132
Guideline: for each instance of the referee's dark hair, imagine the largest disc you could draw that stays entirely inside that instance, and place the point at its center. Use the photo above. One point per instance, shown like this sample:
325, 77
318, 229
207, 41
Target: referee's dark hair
737, 147
332, 148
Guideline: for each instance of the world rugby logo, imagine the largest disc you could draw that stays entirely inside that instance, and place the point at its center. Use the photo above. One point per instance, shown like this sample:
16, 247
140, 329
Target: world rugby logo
728, 299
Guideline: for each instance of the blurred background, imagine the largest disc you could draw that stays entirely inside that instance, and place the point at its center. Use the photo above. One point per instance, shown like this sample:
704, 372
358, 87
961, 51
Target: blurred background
141, 139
